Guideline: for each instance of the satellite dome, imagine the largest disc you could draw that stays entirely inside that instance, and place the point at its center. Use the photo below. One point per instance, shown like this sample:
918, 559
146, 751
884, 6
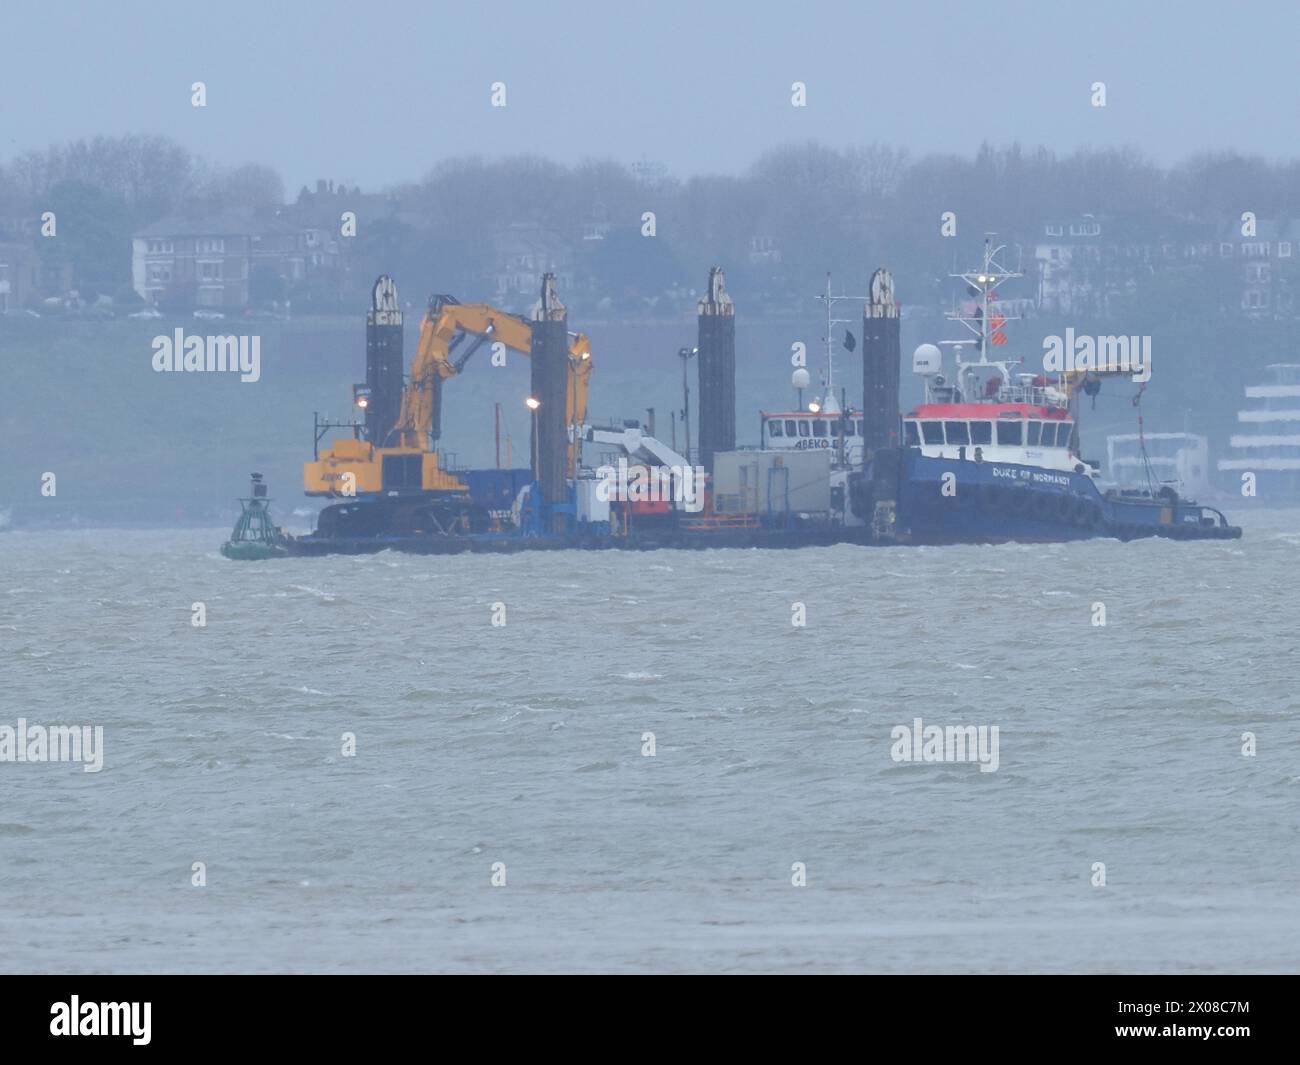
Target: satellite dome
927, 359
800, 378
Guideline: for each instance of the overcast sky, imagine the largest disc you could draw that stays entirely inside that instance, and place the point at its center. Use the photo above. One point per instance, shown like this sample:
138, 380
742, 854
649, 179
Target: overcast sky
374, 93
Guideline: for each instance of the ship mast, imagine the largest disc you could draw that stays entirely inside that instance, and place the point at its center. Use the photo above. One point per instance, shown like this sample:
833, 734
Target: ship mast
985, 282
830, 404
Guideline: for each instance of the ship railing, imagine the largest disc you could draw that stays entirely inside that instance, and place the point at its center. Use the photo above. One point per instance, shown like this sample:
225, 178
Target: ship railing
707, 522
1034, 395
1213, 512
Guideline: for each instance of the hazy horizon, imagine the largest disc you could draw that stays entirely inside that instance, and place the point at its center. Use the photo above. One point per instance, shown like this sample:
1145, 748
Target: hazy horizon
725, 488
378, 98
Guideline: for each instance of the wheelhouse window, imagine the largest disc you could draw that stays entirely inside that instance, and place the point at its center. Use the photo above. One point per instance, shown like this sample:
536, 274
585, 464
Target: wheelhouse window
1033, 433
932, 432
857, 426
1011, 433
957, 432
774, 427
789, 427
819, 427
910, 435
803, 427
981, 432
1056, 434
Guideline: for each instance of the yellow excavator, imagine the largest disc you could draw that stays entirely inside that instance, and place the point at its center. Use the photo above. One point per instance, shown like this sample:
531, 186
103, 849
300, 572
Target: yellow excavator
446, 324
405, 460
404, 464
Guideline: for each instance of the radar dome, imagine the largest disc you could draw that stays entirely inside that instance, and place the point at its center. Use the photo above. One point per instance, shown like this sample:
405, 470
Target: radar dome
800, 378
927, 359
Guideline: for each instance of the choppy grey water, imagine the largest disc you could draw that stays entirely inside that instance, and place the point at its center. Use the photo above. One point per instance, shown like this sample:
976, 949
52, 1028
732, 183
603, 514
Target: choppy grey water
522, 744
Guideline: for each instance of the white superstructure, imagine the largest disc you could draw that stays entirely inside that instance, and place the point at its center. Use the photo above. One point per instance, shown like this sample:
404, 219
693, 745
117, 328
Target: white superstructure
1180, 460
1268, 444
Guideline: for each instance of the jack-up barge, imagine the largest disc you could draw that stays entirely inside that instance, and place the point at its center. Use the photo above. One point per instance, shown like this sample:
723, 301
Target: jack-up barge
991, 455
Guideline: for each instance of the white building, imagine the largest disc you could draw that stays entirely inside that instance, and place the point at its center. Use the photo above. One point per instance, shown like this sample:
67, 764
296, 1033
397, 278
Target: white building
1269, 445
1066, 257
1180, 460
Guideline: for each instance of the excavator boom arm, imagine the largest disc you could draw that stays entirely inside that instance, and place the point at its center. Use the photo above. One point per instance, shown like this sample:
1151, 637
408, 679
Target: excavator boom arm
444, 323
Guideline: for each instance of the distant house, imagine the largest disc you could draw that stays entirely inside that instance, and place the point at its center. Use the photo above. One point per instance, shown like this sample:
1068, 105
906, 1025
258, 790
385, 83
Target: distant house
1091, 264
1262, 267
1061, 255
764, 251
20, 276
26, 279
209, 261
216, 260
1084, 265
522, 252
319, 217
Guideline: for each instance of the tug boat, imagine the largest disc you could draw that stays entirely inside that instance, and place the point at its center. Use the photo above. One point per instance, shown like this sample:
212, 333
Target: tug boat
992, 454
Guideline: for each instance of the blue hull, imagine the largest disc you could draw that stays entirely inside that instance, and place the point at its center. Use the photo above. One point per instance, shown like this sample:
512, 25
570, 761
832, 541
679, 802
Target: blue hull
951, 501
